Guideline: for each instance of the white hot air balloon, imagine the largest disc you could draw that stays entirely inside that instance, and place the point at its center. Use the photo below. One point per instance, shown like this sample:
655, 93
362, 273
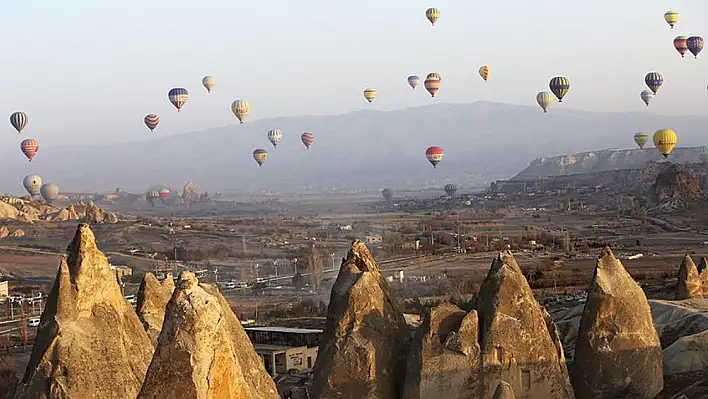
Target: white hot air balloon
274, 136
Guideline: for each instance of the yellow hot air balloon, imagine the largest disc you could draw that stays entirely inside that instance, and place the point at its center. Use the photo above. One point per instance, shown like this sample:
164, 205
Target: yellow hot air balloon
665, 141
370, 94
544, 99
240, 108
432, 14
484, 72
641, 139
671, 17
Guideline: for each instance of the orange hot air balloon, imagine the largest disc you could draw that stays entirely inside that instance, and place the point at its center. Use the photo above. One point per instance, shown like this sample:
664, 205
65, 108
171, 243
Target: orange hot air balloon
681, 45
308, 139
432, 83
29, 147
434, 155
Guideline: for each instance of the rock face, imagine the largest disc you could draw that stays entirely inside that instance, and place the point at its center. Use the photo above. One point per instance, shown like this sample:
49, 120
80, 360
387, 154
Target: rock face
153, 296
678, 183
444, 356
90, 343
689, 281
504, 391
203, 352
362, 353
518, 341
617, 352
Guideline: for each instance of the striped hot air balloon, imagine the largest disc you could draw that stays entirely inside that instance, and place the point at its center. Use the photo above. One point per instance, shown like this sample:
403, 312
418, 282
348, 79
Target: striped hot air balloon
432, 83
544, 99
18, 120
695, 45
450, 189
29, 147
671, 17
178, 97
434, 155
274, 137
260, 155
641, 139
208, 82
370, 95
308, 139
680, 45
484, 72
151, 121
240, 108
413, 81
151, 196
559, 87
654, 80
433, 14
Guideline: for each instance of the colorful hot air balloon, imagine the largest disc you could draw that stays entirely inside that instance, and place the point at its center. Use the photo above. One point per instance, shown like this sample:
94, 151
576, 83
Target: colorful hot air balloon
647, 96
641, 139
671, 17
450, 189
432, 83
50, 192
274, 137
308, 139
680, 45
559, 86
164, 193
260, 155
151, 196
665, 141
387, 194
484, 72
29, 147
654, 80
370, 95
434, 155
240, 108
544, 99
413, 81
208, 82
703, 153
32, 184
695, 45
433, 14
151, 121
18, 120
178, 97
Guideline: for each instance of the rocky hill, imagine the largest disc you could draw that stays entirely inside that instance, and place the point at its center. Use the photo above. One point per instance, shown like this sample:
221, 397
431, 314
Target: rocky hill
602, 161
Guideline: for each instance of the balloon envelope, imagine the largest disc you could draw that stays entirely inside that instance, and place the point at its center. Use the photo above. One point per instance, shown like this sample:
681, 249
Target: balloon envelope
671, 17
641, 139
387, 194
544, 99
33, 184
432, 83
29, 147
433, 14
260, 155
647, 96
274, 137
484, 72
695, 45
208, 82
665, 141
370, 94
178, 97
19, 120
240, 108
151, 121
308, 139
50, 192
434, 155
413, 81
654, 80
450, 189
559, 86
680, 45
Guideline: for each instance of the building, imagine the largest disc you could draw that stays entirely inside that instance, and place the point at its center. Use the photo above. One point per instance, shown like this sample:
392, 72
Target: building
122, 271
285, 349
374, 239
4, 289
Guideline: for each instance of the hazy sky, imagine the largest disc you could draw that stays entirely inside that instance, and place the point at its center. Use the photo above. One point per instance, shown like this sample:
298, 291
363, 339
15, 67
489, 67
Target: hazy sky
87, 71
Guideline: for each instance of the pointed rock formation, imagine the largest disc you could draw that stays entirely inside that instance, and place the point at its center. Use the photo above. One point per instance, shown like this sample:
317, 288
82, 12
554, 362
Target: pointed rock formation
203, 352
363, 350
444, 355
519, 343
504, 391
689, 281
617, 352
153, 296
90, 343
702, 264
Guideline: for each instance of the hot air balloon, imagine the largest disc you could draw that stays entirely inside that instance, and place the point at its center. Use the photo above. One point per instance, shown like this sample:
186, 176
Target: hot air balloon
32, 184
434, 155
484, 72
665, 141
260, 155
29, 147
544, 99
432, 14
703, 153
680, 45
387, 194
647, 96
18, 120
695, 45
151, 196
178, 97
671, 17
641, 139
308, 139
208, 82
450, 189
274, 137
413, 81
370, 94
432, 83
164, 194
559, 86
654, 80
151, 121
50, 192
240, 108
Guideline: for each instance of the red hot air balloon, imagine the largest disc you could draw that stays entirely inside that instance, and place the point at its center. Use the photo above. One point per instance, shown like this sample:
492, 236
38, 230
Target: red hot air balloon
308, 139
434, 155
164, 193
29, 147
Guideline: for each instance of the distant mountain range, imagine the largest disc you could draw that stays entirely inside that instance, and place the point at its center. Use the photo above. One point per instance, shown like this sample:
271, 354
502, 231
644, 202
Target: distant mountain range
483, 141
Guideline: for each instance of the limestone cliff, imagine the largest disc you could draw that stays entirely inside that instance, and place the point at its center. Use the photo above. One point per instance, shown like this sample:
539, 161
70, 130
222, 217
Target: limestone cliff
153, 296
689, 281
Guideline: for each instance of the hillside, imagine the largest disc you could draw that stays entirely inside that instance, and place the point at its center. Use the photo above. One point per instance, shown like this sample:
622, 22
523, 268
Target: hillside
602, 161
483, 141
